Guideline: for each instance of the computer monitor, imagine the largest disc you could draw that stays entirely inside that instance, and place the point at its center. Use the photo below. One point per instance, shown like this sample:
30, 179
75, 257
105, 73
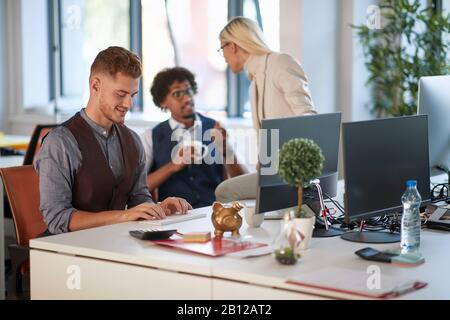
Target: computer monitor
379, 157
324, 129
434, 101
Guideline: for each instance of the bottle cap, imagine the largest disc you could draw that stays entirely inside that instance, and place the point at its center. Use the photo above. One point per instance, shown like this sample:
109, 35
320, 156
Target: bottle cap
411, 183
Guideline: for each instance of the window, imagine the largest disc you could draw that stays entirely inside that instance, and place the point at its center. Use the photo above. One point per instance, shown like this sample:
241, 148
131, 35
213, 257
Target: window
61, 38
267, 13
188, 37
35, 55
87, 27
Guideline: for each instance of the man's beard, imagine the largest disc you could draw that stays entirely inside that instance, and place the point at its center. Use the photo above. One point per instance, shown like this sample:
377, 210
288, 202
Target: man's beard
105, 110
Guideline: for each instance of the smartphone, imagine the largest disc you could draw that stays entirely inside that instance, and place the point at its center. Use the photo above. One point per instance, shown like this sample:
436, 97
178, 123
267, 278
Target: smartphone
375, 255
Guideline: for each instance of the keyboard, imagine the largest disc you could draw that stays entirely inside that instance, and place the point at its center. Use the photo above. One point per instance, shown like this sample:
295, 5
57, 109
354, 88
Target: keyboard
175, 218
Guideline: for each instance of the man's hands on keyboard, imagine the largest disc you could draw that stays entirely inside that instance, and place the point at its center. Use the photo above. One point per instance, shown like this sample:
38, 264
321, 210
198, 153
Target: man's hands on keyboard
174, 205
144, 211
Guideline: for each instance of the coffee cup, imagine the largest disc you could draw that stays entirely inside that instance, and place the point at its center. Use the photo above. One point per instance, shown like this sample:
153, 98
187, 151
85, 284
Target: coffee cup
253, 220
194, 149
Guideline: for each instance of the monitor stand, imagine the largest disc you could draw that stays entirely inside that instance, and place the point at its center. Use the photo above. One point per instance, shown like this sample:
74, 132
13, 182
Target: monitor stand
371, 237
321, 232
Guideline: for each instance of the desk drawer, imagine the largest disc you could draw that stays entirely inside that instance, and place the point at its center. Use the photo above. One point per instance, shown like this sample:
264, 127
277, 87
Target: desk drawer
57, 276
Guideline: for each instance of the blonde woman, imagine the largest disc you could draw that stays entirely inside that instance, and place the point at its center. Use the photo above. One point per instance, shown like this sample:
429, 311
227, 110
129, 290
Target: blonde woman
279, 88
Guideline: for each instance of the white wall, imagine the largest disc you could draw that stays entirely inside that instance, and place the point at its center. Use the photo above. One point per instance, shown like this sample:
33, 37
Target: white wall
361, 93
324, 42
308, 33
353, 95
319, 35
319, 60
3, 103
291, 28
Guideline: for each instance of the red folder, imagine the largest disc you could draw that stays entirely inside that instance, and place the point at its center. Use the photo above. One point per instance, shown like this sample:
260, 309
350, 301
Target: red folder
215, 248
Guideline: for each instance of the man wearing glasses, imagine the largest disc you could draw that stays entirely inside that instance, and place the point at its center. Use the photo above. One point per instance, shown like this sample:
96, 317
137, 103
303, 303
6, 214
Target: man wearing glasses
179, 151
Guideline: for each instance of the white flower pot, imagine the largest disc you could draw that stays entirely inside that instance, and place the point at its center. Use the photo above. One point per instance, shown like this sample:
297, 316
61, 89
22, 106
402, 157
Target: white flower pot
305, 226
253, 220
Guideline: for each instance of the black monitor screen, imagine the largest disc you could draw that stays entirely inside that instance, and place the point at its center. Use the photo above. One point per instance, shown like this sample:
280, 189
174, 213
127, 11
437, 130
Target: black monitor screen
379, 157
324, 129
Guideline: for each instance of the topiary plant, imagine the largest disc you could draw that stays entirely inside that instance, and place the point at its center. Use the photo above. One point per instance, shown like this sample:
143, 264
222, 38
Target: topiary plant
300, 161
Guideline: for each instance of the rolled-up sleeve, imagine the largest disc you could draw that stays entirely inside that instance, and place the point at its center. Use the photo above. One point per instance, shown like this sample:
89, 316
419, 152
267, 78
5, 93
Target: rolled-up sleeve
55, 168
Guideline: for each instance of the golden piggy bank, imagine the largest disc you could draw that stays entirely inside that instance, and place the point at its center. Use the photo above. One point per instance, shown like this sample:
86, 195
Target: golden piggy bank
226, 219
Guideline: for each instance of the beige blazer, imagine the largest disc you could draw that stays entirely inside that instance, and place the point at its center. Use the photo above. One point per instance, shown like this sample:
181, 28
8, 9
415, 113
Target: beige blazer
279, 88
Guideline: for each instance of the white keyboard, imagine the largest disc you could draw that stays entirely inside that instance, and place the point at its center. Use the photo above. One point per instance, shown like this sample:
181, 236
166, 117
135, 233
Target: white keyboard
176, 218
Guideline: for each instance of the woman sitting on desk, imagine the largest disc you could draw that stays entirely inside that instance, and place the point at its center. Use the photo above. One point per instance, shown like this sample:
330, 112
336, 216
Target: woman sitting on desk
279, 88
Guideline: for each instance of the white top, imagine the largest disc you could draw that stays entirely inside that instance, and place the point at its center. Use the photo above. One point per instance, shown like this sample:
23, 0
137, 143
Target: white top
279, 87
179, 133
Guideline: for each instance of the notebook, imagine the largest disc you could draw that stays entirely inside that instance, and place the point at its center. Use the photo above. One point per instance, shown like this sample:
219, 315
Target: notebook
214, 248
176, 218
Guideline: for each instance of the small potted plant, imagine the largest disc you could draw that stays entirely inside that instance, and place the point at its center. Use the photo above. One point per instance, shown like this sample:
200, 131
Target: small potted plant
300, 161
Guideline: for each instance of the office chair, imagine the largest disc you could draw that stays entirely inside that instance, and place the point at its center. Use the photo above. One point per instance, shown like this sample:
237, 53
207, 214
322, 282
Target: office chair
40, 131
21, 186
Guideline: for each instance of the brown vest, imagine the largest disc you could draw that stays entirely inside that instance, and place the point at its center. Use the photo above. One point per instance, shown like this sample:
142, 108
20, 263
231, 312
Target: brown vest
95, 187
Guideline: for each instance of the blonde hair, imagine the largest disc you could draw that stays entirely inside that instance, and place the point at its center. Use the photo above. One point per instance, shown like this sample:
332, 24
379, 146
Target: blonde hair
246, 34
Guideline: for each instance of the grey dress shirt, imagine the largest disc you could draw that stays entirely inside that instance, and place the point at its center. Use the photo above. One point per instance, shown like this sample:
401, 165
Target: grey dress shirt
58, 162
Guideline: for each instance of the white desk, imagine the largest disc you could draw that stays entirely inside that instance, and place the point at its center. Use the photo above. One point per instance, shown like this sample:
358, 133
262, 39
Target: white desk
113, 265
5, 162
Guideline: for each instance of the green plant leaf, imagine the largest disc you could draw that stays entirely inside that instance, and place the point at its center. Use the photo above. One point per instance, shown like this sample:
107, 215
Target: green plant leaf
300, 161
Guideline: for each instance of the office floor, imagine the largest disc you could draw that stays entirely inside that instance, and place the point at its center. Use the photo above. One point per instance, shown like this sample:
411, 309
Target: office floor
8, 281
9, 239
7, 274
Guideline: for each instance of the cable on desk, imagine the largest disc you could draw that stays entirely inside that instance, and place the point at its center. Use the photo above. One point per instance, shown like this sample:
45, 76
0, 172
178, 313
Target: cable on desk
373, 224
440, 192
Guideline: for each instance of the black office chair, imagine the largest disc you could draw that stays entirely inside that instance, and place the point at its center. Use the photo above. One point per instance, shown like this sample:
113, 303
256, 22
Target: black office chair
39, 134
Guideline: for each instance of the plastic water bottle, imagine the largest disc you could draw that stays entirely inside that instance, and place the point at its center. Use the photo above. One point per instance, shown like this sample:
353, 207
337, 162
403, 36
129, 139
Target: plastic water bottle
410, 232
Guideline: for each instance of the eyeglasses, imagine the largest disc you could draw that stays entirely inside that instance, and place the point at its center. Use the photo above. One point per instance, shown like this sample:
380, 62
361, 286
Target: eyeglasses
179, 94
220, 51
